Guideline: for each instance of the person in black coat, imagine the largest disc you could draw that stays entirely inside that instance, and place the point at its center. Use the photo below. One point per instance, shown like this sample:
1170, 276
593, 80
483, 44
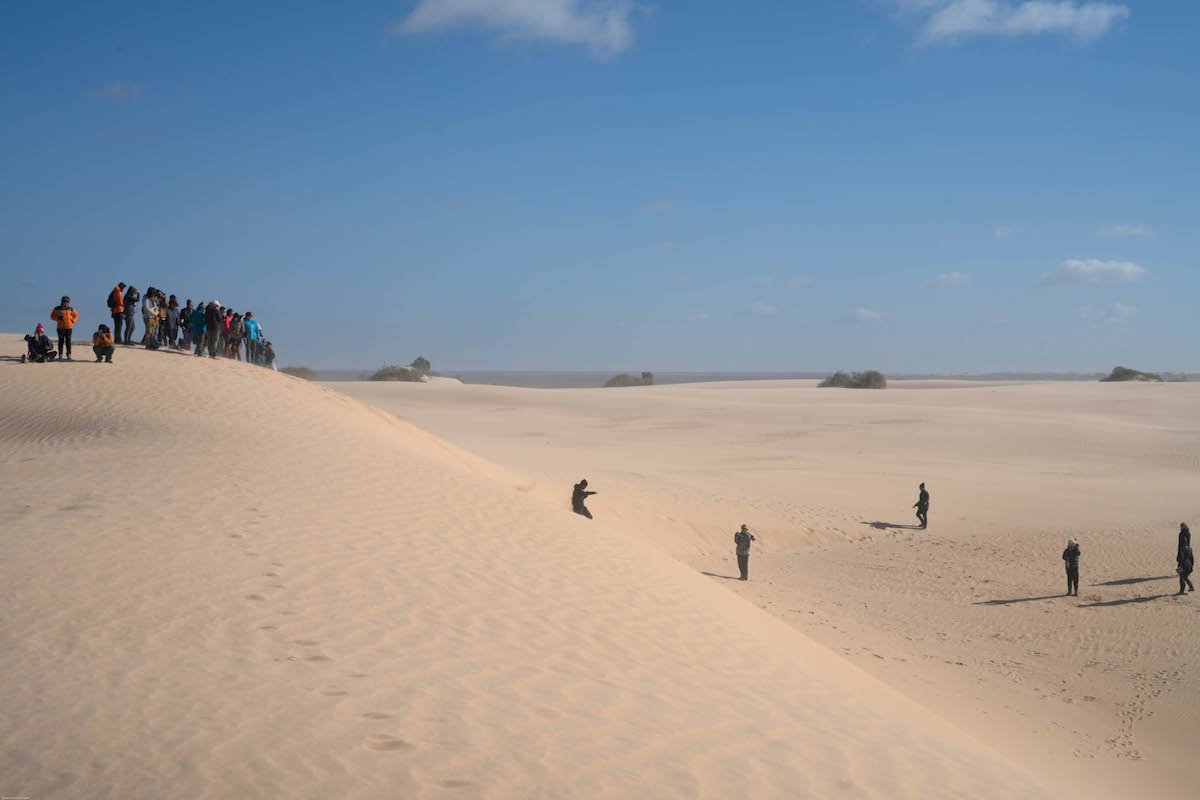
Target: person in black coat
1185, 561
579, 493
1071, 557
132, 298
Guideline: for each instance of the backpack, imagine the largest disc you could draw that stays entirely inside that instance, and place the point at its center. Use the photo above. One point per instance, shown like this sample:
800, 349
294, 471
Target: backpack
111, 304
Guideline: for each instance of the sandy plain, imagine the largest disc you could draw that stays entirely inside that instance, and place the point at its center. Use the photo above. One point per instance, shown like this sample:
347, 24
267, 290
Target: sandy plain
224, 581
1097, 694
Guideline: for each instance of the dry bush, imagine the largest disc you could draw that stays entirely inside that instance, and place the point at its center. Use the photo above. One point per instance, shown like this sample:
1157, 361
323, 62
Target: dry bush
1126, 374
871, 379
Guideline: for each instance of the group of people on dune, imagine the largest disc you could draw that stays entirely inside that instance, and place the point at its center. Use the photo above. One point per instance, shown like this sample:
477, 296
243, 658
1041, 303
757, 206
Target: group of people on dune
208, 327
1184, 558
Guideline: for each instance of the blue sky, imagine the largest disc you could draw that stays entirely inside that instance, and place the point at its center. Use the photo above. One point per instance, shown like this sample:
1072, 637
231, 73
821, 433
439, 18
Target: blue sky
569, 184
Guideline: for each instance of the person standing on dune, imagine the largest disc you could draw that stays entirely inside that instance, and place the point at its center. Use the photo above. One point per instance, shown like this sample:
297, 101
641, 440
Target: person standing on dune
212, 328
1185, 536
1071, 557
66, 317
922, 507
579, 493
116, 306
742, 539
1184, 559
132, 296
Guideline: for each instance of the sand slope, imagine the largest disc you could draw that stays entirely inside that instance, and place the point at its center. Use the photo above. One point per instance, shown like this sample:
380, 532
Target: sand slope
223, 581
966, 617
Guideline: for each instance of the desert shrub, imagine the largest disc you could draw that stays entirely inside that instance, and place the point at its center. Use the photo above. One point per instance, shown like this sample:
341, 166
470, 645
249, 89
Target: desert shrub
625, 379
1127, 374
871, 379
300, 372
421, 365
396, 372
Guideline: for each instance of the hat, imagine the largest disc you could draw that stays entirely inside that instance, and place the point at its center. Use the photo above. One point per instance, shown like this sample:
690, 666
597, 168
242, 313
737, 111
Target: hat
40, 328
1071, 542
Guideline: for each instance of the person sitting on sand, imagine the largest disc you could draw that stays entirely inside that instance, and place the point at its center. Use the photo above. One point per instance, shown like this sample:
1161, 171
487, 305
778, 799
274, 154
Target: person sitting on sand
102, 344
1185, 561
579, 493
41, 349
742, 539
922, 507
1071, 557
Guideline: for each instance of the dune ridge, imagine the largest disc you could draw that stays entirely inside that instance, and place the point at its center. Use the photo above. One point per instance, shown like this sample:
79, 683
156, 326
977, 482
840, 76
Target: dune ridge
224, 580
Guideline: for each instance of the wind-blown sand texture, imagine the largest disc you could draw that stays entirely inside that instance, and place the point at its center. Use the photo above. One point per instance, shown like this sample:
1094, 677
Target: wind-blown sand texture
1097, 693
221, 581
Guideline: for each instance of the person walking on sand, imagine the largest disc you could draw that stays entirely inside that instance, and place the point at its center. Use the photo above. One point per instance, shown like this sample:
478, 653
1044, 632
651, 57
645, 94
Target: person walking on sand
922, 507
742, 539
66, 317
116, 306
102, 344
579, 493
1071, 558
1184, 559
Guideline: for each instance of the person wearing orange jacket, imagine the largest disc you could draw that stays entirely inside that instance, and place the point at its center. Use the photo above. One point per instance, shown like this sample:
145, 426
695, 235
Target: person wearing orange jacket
116, 304
66, 317
102, 344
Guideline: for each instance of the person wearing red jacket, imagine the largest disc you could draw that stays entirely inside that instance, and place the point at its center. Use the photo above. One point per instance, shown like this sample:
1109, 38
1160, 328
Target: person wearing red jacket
116, 304
66, 317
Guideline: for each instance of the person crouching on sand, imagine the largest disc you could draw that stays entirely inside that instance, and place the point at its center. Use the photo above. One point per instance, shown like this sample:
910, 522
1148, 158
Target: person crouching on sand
102, 344
1071, 557
742, 539
40, 348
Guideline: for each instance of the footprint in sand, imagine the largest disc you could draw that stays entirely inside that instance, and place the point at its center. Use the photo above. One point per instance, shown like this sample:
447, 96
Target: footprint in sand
318, 657
306, 642
268, 627
384, 742
270, 574
376, 715
334, 693
255, 597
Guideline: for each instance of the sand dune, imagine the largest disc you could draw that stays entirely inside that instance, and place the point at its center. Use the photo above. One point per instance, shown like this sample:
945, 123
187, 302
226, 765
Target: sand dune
967, 618
223, 581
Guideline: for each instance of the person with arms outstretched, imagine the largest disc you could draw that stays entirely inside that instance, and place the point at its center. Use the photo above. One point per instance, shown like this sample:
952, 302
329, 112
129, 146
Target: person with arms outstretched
579, 493
922, 507
742, 539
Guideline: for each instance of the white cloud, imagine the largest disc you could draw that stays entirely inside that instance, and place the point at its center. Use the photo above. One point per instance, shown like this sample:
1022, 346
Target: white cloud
955, 20
120, 91
604, 26
761, 309
1092, 270
1004, 231
1118, 313
1125, 230
951, 280
860, 316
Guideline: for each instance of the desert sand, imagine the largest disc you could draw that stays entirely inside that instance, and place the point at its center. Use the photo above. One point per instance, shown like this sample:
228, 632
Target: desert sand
1096, 693
223, 581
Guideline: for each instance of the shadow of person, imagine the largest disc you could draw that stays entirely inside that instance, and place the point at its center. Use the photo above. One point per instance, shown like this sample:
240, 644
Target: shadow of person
1127, 581
726, 577
1018, 600
883, 526
1126, 601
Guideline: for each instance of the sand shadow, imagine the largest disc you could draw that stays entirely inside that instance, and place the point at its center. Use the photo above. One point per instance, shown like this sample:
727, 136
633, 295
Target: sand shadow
1127, 581
1106, 603
726, 577
883, 526
1017, 600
